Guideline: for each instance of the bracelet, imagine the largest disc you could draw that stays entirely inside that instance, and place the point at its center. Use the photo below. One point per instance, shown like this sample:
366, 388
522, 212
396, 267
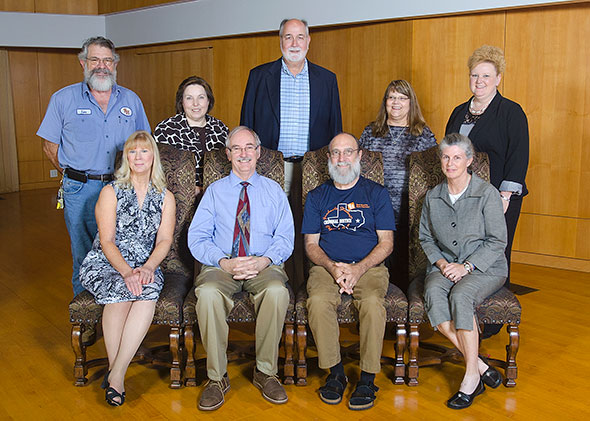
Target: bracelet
507, 199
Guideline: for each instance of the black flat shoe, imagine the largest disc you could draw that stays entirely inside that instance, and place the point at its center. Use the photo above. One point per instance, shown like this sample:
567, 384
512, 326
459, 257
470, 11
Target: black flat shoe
111, 394
331, 393
105, 381
462, 400
492, 377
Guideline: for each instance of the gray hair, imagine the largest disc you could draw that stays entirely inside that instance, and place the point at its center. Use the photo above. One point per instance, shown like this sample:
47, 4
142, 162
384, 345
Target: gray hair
101, 42
284, 21
239, 129
457, 139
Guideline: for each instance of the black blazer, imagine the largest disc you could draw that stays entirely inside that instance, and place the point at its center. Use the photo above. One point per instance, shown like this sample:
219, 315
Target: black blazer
261, 105
503, 132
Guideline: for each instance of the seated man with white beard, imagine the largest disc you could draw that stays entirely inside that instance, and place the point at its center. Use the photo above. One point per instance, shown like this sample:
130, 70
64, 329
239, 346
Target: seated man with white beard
348, 225
85, 125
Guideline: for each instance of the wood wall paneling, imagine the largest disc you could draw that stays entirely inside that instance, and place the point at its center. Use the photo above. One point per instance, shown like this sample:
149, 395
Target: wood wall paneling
25, 96
547, 74
17, 6
365, 59
155, 75
112, 6
78, 7
232, 61
440, 49
56, 69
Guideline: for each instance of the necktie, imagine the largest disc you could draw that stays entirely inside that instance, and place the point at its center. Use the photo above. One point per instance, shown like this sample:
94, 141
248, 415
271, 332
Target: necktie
241, 242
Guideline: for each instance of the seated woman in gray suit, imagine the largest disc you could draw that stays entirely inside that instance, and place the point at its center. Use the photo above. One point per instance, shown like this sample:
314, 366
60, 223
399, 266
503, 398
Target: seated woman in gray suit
463, 234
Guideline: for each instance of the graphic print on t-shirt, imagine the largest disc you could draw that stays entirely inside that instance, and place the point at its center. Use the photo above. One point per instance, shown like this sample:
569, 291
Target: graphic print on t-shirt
345, 216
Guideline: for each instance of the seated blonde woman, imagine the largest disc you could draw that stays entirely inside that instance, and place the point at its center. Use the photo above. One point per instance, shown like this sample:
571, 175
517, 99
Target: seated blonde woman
136, 217
463, 234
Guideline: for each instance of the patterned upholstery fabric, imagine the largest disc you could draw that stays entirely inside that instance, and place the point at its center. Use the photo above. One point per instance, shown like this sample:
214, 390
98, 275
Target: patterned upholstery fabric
425, 173
315, 168
216, 166
83, 309
315, 173
396, 307
178, 265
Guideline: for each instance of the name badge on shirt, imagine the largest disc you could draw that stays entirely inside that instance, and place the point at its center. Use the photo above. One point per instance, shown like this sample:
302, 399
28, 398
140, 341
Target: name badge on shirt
126, 111
83, 111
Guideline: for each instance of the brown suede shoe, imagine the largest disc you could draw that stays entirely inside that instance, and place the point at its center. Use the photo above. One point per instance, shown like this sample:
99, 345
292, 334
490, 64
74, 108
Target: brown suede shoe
212, 396
271, 387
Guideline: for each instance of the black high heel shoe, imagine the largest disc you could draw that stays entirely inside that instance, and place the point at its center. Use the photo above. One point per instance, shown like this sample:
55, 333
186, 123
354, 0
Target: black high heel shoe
462, 400
105, 381
111, 394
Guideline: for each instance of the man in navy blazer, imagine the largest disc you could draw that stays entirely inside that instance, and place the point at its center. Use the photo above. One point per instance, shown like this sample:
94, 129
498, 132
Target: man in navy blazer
294, 106
261, 108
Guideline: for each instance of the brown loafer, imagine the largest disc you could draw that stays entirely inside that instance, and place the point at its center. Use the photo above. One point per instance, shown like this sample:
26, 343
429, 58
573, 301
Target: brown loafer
213, 393
272, 389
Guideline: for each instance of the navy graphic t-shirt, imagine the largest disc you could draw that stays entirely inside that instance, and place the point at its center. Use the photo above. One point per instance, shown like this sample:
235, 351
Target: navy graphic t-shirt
348, 220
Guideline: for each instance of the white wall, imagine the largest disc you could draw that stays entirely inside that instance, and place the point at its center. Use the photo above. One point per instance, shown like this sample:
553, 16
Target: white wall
215, 18
48, 30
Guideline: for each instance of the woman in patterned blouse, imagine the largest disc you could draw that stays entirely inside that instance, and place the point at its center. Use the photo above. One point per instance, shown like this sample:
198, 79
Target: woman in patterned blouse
398, 130
192, 128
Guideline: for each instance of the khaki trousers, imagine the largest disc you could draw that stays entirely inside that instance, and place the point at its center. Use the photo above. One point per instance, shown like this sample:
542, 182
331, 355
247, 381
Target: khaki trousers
214, 290
322, 304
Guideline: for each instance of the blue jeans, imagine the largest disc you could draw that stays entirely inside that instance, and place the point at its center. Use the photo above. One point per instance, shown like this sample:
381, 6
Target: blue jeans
80, 200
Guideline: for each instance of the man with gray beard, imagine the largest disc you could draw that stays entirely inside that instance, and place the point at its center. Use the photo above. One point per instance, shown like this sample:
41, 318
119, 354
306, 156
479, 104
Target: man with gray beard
84, 126
348, 227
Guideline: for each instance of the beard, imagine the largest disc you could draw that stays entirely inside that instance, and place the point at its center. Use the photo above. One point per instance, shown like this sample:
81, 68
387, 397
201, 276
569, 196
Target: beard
344, 172
294, 55
95, 80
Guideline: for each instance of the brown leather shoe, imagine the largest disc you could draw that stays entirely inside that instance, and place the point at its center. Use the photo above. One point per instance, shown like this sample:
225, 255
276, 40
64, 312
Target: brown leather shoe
89, 335
212, 396
271, 387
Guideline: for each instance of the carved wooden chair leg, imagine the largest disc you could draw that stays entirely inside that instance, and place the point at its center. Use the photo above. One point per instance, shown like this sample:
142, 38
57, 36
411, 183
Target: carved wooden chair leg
301, 361
289, 367
80, 368
190, 371
511, 351
413, 355
175, 372
400, 348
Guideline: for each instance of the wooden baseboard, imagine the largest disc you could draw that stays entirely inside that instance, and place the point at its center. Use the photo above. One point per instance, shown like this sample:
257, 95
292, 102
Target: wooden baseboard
558, 262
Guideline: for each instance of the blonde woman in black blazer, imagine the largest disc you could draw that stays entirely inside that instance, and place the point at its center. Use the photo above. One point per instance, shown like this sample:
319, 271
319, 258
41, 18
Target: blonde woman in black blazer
499, 127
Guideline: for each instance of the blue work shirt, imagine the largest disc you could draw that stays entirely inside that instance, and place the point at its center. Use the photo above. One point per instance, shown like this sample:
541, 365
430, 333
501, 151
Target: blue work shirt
88, 138
211, 232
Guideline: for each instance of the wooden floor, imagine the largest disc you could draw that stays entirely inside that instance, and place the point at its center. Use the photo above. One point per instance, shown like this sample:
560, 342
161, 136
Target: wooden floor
36, 359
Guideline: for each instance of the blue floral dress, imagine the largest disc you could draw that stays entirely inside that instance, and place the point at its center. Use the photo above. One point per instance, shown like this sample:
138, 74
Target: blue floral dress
135, 236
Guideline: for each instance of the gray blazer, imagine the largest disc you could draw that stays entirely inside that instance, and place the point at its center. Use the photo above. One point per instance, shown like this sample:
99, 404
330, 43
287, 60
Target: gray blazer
472, 229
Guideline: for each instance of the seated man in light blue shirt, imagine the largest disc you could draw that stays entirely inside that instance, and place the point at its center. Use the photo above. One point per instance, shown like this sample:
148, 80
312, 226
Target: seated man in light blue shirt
242, 233
84, 126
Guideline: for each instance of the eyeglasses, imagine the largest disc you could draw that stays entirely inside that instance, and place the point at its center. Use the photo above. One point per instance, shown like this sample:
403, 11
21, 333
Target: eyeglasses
247, 149
399, 98
108, 61
346, 152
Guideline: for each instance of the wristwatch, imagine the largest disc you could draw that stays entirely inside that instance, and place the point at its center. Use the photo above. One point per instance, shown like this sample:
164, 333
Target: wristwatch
468, 266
